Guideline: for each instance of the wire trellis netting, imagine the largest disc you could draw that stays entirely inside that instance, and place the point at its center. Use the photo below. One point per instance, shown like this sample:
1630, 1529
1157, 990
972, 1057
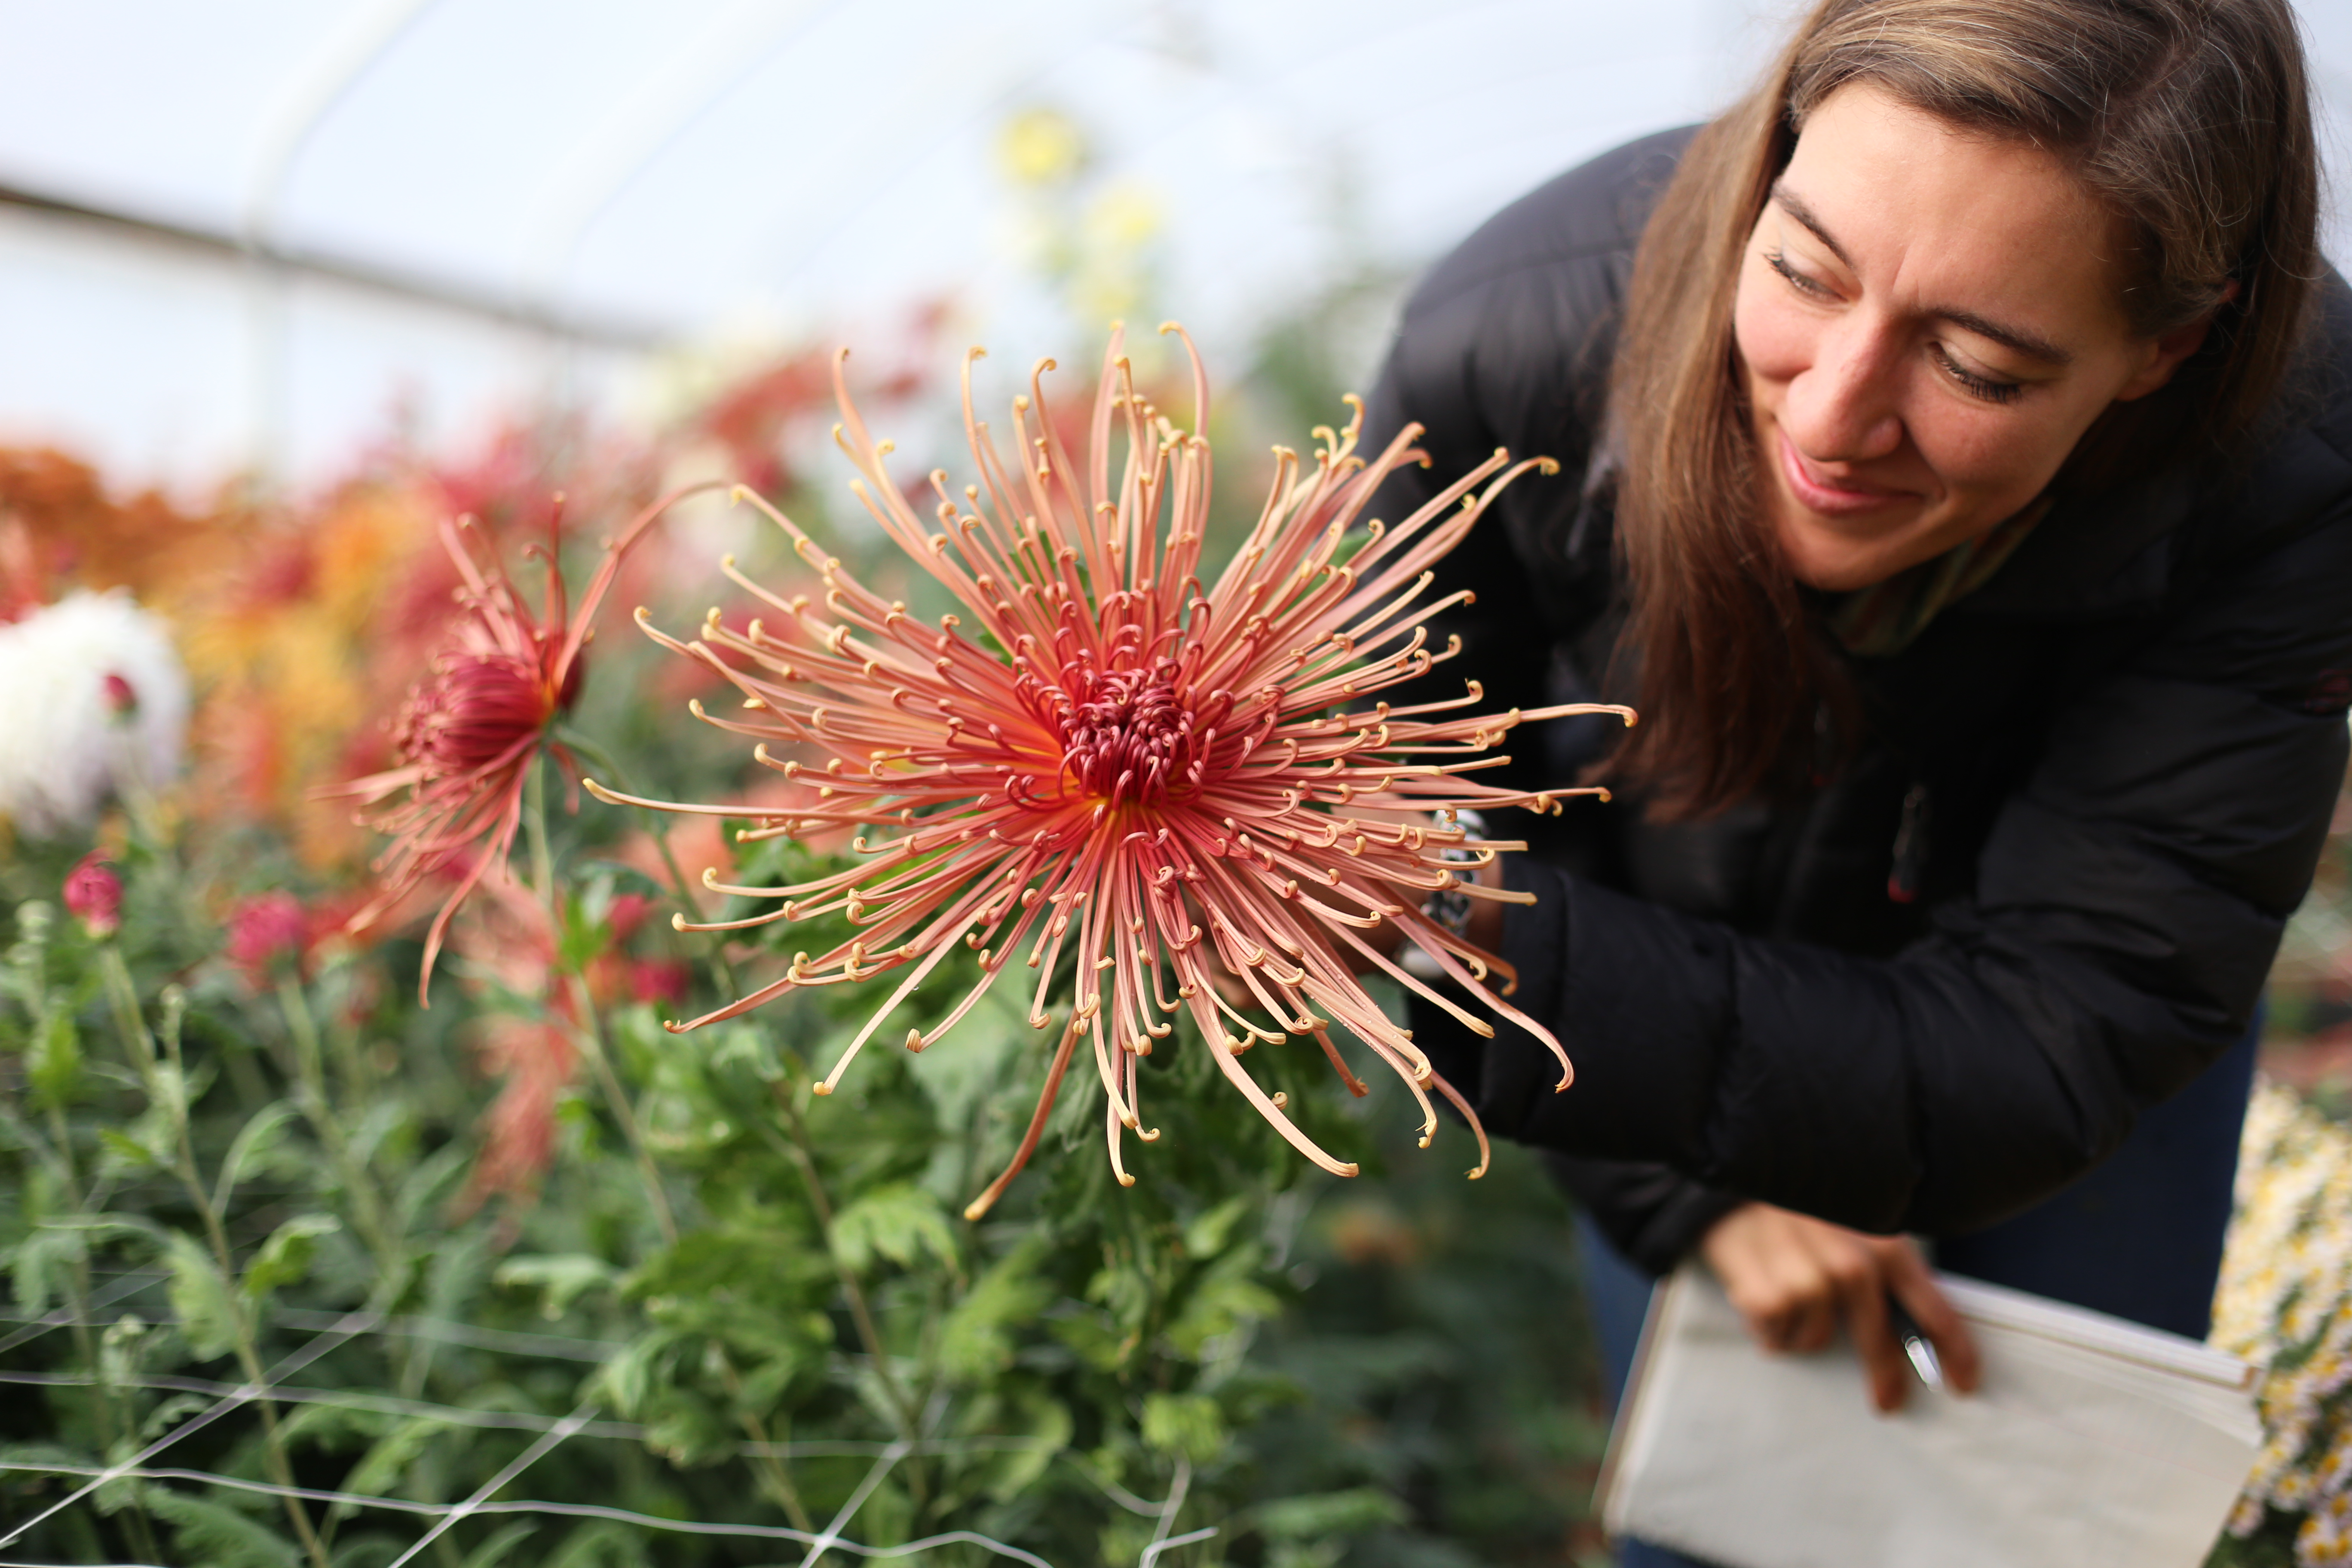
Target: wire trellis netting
330, 1331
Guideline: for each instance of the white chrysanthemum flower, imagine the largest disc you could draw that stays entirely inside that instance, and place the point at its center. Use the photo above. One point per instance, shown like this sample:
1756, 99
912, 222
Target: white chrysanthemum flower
92, 700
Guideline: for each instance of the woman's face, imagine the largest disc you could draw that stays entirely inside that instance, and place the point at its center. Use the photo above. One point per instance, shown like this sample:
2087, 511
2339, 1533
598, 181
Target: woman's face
1928, 321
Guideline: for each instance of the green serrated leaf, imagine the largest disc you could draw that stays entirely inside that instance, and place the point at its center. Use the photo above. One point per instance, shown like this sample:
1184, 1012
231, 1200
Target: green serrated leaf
252, 1146
53, 1064
286, 1256
561, 1277
1322, 1515
899, 1222
200, 1297
220, 1537
1206, 1237
1016, 1470
494, 1551
388, 1459
1187, 1424
39, 1264
630, 1378
976, 1340
125, 1152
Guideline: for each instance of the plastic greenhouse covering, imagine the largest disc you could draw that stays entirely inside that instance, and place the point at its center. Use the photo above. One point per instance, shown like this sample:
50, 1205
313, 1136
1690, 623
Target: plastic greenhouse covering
242, 232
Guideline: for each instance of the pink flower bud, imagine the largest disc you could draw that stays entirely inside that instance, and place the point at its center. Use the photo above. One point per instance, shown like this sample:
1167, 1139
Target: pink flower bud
627, 913
122, 701
658, 980
94, 893
264, 931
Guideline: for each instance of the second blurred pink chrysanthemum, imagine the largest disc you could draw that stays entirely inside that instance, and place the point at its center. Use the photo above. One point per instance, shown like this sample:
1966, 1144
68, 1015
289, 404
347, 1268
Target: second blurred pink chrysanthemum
469, 733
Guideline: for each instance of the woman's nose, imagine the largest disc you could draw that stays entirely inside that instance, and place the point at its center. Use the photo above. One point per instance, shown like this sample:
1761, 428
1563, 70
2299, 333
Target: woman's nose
1841, 409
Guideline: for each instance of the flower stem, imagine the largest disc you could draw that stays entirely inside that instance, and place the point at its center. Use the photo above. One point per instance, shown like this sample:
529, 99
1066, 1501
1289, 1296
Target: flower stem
124, 996
310, 1079
589, 1029
801, 1153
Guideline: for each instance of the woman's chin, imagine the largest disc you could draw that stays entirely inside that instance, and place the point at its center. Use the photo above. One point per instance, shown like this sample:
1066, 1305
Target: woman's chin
1838, 559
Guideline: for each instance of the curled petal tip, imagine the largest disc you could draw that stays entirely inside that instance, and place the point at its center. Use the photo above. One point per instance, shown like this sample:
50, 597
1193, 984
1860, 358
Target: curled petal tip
1126, 1179
1547, 465
599, 791
1351, 1169
915, 1040
673, 1026
678, 923
820, 1087
976, 1208
737, 494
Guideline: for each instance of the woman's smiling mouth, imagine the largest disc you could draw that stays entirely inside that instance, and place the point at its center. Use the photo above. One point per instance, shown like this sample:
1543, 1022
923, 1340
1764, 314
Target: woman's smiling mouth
1817, 493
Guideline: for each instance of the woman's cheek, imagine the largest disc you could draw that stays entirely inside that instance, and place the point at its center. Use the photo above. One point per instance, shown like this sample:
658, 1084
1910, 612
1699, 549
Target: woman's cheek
1982, 455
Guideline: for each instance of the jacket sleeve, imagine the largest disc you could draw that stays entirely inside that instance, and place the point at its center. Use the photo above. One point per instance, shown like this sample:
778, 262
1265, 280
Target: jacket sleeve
2128, 905
1507, 344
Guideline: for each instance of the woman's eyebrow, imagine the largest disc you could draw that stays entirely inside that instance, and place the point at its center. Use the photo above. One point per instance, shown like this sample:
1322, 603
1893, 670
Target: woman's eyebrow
2032, 346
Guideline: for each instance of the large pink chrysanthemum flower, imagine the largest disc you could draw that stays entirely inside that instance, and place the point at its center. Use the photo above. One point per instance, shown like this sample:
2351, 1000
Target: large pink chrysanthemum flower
469, 733
1122, 770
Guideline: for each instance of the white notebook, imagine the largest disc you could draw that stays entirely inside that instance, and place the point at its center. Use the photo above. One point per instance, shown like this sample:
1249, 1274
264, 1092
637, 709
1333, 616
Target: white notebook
2092, 1443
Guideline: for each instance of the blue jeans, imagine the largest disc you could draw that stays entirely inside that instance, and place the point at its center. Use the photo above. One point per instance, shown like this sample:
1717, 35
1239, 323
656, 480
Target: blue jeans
2139, 1238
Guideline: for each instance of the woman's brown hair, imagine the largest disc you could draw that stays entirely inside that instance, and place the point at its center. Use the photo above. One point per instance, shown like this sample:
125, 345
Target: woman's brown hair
2188, 118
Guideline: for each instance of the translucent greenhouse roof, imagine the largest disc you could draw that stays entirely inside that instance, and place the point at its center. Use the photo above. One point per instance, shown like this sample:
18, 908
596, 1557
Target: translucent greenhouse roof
241, 228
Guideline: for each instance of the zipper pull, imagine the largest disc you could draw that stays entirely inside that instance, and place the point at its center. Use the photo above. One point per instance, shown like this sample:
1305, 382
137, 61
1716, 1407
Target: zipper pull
1910, 847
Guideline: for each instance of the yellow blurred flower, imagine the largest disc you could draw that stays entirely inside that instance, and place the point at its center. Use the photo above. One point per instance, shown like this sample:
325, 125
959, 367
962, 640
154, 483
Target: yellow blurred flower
1039, 147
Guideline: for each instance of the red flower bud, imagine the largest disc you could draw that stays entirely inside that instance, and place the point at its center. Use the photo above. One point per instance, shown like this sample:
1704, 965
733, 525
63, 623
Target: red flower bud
264, 929
627, 913
121, 700
94, 893
658, 980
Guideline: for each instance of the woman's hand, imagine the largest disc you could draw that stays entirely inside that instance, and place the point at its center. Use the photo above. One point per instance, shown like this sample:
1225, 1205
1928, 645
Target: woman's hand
1794, 1279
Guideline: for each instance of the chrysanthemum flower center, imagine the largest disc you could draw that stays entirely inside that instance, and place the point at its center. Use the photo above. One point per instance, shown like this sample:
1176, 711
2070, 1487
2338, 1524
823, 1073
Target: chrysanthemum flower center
475, 710
1126, 735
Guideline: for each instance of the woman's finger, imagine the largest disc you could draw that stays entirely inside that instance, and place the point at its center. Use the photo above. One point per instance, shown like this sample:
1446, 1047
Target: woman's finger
1862, 1283
1913, 1284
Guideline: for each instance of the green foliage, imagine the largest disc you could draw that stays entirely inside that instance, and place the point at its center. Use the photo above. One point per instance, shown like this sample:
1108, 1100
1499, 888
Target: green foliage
1053, 1375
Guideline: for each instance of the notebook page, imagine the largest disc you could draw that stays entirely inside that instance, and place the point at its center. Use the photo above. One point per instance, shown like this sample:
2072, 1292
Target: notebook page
2068, 1458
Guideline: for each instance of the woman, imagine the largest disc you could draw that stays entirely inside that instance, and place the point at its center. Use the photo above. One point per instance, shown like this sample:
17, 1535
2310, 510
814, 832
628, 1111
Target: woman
1965, 501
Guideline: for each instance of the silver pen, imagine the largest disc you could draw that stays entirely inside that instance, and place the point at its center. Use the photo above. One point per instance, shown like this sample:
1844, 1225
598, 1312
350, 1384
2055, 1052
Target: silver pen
1916, 1344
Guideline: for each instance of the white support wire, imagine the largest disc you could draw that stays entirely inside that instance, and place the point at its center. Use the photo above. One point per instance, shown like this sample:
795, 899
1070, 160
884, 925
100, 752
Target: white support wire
831, 1536
830, 1542
561, 1347
553, 1430
350, 1325
521, 1462
129, 1285
1151, 1552
1168, 1511
528, 1421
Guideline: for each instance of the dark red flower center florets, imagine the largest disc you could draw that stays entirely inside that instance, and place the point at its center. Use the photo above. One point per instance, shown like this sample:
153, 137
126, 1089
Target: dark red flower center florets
1126, 734
476, 708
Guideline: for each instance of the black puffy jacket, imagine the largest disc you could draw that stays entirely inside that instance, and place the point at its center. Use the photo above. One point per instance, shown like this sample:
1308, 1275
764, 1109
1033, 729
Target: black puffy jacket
2110, 771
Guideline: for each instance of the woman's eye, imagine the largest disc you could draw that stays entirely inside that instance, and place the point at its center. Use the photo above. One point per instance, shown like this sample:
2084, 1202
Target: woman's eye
1778, 262
1976, 385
